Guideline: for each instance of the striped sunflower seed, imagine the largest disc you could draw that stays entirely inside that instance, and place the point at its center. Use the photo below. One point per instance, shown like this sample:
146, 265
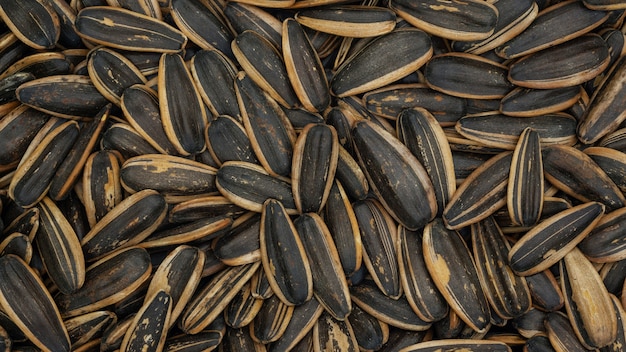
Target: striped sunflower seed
34, 22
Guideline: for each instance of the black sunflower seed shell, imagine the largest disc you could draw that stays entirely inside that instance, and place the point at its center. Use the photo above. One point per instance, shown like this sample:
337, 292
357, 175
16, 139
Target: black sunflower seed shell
17, 244
480, 195
576, 174
83, 328
184, 176
507, 293
206, 340
568, 64
470, 20
102, 189
227, 140
418, 286
561, 334
547, 243
67, 96
201, 230
545, 290
329, 282
17, 130
148, 328
244, 17
182, 112
460, 345
120, 28
301, 323
554, 25
127, 224
264, 64
380, 152
389, 101
621, 329
330, 333
214, 76
271, 321
397, 313
603, 115
351, 176
202, 25
270, 132
140, 106
451, 267
243, 308
33, 22
283, 256
69, 172
611, 161
203, 207
124, 139
474, 76
315, 159
352, 21
384, 60
603, 244
59, 248
241, 244
209, 301
304, 68
594, 320
421, 133
29, 305
379, 237
525, 190
525, 102
107, 282
112, 73
37, 168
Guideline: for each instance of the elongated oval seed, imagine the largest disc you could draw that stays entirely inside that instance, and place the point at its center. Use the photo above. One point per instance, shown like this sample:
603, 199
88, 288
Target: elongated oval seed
28, 303
526, 186
545, 244
379, 153
285, 262
450, 264
34, 22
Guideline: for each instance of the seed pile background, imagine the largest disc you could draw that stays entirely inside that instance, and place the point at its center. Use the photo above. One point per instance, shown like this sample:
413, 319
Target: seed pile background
312, 175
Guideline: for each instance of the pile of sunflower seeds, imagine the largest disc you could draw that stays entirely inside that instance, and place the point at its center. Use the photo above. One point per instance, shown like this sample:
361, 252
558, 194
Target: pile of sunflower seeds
312, 175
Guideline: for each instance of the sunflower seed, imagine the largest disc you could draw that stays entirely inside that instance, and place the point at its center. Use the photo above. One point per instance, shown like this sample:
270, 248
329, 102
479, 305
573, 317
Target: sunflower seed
33, 22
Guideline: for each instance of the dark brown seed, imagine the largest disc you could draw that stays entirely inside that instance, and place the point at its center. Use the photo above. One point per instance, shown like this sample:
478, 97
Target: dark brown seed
301, 323
500, 131
198, 21
450, 264
351, 176
524, 102
474, 76
343, 226
140, 106
265, 66
384, 60
102, 190
330, 334
604, 243
421, 133
561, 334
59, 248
270, 132
576, 174
329, 282
226, 140
379, 237
612, 161
204, 229
112, 73
507, 293
39, 164
271, 321
284, 258
243, 308
480, 194
67, 96
349, 21
417, 284
182, 113
603, 115
526, 185
148, 329
84, 328
214, 76
169, 175
69, 171
129, 223
28, 303
313, 167
128, 30
124, 139
458, 345
209, 301
547, 243
396, 313
398, 190
389, 101
304, 68
467, 21
568, 64
34, 22
178, 275
248, 17
107, 282
545, 290
555, 24
241, 244
203, 207
17, 129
